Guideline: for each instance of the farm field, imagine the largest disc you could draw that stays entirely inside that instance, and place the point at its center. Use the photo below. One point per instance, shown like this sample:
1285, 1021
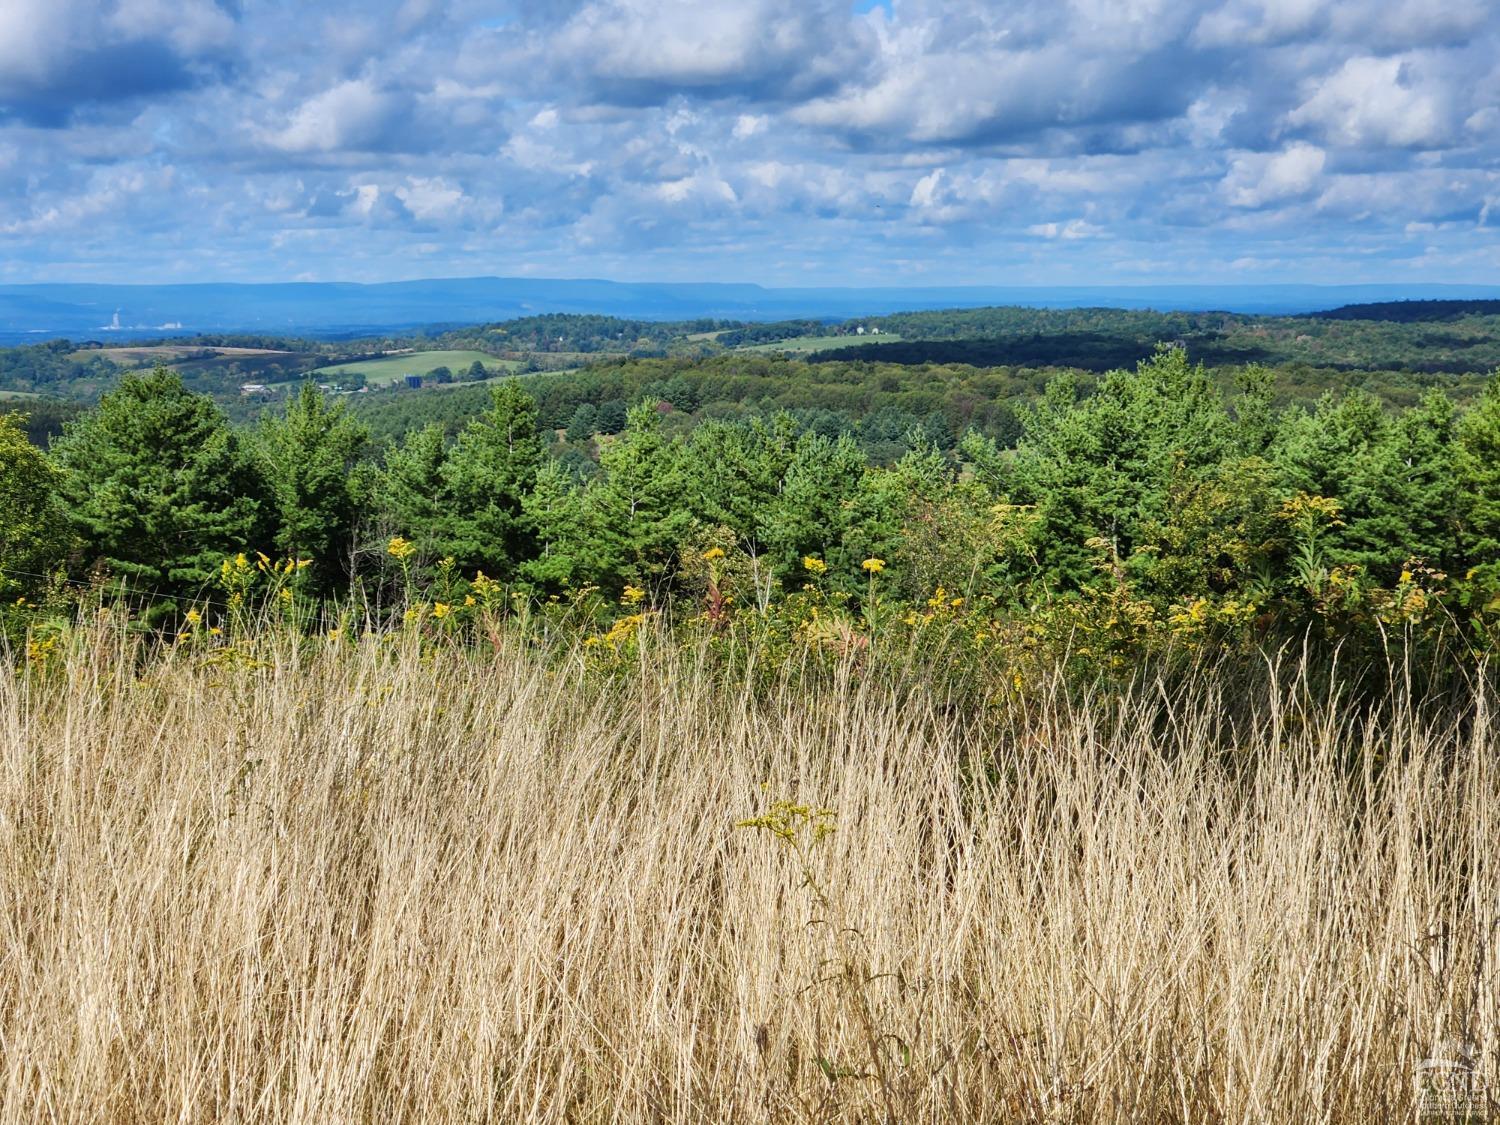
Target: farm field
167, 353
392, 368
821, 343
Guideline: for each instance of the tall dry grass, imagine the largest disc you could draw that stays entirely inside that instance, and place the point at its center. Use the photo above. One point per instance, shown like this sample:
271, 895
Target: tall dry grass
383, 884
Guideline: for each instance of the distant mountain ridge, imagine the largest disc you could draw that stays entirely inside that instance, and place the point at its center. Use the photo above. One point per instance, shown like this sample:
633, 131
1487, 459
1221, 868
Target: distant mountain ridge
110, 311
1410, 311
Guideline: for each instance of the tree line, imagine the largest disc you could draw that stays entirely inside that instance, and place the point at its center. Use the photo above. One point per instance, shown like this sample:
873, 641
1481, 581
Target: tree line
1158, 492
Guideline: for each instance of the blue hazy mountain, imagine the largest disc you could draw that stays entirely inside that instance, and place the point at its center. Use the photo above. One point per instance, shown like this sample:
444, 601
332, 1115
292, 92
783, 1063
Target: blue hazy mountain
337, 308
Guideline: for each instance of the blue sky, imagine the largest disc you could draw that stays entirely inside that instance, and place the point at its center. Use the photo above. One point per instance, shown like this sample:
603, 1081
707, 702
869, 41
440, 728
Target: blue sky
778, 141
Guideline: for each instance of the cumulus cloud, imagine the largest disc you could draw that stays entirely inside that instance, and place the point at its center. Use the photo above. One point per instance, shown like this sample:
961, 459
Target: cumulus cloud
640, 51
58, 57
765, 139
355, 114
1376, 102
1257, 179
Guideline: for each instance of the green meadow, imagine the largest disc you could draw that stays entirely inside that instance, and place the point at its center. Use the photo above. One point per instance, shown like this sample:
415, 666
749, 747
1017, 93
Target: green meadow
392, 368
821, 343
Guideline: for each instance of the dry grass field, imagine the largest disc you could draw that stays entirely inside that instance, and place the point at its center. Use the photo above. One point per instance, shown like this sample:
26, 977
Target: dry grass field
325, 883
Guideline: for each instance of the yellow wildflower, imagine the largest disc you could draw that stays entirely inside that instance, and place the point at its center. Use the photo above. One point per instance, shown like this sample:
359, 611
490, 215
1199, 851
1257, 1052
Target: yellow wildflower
469, 599
713, 553
813, 566
632, 595
874, 566
441, 610
193, 617
400, 548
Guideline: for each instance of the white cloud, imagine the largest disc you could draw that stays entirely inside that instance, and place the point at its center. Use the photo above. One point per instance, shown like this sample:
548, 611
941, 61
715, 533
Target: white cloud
351, 114
1375, 101
1256, 179
1069, 231
431, 198
748, 124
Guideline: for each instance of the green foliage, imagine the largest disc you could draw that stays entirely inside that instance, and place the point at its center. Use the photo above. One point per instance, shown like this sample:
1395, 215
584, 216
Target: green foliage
1106, 466
486, 477
1153, 506
584, 422
34, 534
411, 491
159, 487
312, 456
635, 509
1393, 477
1477, 479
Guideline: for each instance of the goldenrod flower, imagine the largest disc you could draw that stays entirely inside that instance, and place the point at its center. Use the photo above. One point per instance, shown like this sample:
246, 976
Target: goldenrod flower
400, 548
713, 553
193, 617
632, 595
469, 600
441, 610
874, 566
813, 566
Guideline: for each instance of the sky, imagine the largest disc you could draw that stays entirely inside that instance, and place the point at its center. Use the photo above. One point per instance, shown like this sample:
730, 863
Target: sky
785, 142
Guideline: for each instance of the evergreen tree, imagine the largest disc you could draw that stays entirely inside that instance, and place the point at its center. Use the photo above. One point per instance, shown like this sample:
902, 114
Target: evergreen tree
411, 490
612, 416
1477, 480
1394, 479
1102, 467
582, 424
568, 542
637, 504
34, 535
812, 515
486, 476
735, 472
159, 487
312, 456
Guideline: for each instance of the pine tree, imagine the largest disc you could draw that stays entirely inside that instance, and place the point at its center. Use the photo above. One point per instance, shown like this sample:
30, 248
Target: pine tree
34, 535
812, 515
411, 492
582, 424
1477, 479
637, 504
312, 456
159, 487
568, 543
1393, 478
486, 476
1101, 468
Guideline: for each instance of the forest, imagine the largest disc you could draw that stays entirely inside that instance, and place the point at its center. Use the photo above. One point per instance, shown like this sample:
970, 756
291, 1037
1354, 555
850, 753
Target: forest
1153, 497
